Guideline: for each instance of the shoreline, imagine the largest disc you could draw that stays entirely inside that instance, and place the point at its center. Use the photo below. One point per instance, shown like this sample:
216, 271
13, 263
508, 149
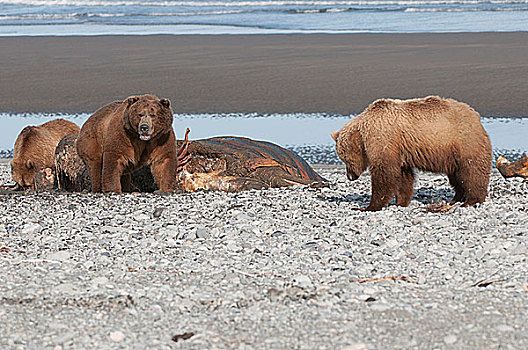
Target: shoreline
265, 73
310, 139
93, 30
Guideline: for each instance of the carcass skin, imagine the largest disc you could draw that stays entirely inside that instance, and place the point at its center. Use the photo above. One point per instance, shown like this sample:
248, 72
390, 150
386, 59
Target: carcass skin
509, 169
236, 164
227, 163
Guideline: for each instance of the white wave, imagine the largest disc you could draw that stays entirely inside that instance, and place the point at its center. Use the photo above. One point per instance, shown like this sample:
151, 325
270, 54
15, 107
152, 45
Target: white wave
473, 9
48, 16
257, 3
201, 13
40, 16
37, 16
103, 15
80, 16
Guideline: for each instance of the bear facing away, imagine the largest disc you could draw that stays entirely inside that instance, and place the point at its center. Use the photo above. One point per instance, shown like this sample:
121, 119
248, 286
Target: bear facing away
35, 148
391, 137
125, 135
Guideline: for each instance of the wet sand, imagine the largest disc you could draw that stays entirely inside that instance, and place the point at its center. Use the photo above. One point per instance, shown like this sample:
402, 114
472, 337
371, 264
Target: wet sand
265, 73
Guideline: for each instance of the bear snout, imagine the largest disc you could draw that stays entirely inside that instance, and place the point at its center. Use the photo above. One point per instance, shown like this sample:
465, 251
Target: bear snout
144, 128
144, 132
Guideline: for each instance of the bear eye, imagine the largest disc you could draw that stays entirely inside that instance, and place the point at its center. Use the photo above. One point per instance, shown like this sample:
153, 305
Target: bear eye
152, 115
141, 115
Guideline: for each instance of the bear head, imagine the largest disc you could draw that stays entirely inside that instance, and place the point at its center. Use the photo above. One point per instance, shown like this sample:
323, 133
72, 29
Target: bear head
147, 116
25, 162
350, 149
23, 172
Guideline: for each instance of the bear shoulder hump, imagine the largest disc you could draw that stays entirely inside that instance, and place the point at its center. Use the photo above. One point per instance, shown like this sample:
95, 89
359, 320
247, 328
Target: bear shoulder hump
380, 104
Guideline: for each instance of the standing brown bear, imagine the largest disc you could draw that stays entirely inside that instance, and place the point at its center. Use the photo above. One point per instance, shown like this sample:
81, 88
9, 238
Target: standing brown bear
125, 135
391, 137
35, 148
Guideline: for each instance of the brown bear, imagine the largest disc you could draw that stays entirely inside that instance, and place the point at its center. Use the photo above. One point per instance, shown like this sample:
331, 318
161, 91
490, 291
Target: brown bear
125, 135
391, 137
35, 148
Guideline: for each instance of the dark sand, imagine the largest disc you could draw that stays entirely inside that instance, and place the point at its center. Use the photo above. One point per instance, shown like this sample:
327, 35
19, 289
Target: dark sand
265, 73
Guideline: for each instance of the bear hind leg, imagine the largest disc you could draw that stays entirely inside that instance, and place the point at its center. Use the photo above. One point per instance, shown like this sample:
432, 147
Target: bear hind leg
474, 183
457, 186
405, 189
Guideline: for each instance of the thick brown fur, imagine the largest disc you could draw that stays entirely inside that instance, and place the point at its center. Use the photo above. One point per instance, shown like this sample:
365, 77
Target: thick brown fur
393, 137
113, 143
35, 148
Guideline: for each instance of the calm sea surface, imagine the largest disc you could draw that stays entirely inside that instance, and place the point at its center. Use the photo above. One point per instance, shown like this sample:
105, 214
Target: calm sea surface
307, 134
90, 17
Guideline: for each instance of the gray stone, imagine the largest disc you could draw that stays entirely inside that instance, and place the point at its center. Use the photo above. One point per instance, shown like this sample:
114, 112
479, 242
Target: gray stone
504, 328
356, 346
379, 307
302, 281
62, 255
202, 233
31, 229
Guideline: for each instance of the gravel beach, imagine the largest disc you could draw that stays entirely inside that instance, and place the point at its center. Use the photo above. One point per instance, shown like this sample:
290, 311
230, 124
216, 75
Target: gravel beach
294, 268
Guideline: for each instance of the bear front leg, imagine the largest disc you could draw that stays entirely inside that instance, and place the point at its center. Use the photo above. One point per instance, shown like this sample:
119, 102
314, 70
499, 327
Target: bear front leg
94, 167
383, 186
405, 187
164, 172
112, 170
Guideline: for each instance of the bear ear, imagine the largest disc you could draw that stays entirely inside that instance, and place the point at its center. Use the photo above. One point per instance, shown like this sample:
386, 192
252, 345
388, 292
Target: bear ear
131, 100
29, 164
335, 135
165, 102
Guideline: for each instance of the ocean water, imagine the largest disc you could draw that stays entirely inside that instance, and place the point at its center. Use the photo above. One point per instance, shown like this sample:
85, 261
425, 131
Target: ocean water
307, 134
96, 17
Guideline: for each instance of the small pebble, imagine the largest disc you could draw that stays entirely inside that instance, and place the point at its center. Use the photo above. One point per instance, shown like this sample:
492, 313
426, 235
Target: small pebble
450, 339
116, 336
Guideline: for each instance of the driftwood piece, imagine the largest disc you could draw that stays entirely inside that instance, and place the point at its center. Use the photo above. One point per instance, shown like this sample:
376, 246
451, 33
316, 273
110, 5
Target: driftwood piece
221, 163
509, 169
